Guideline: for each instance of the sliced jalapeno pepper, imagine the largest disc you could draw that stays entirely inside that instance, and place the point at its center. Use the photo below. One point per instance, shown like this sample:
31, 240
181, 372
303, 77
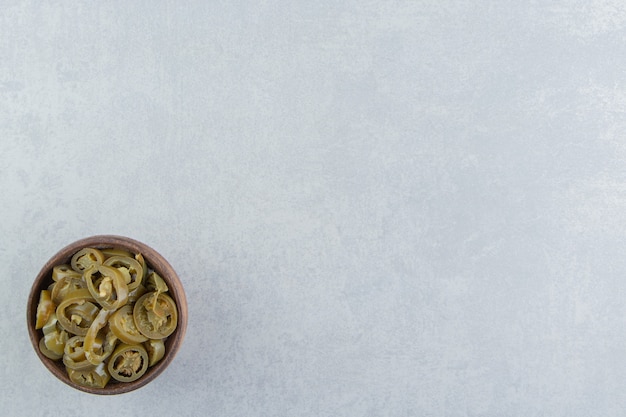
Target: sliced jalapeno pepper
128, 267
51, 325
74, 354
85, 258
47, 352
64, 270
96, 377
45, 308
155, 283
107, 286
77, 312
54, 338
123, 326
65, 285
144, 265
155, 349
128, 363
155, 315
99, 342
135, 294
108, 252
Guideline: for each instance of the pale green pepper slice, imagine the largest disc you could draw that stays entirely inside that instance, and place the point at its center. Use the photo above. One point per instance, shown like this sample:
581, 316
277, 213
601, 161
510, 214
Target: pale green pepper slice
96, 377
155, 283
135, 294
45, 308
77, 312
61, 271
66, 285
74, 354
156, 316
99, 342
128, 267
123, 326
47, 352
155, 349
107, 286
128, 363
54, 338
85, 258
139, 257
51, 325
108, 252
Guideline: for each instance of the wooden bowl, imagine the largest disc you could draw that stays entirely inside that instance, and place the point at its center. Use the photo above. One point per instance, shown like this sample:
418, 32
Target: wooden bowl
154, 261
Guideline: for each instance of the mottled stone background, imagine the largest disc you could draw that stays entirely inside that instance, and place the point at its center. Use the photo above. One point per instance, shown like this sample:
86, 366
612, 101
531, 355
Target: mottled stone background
377, 208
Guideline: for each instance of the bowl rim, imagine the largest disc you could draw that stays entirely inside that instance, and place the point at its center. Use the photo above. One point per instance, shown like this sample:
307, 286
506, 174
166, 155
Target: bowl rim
156, 261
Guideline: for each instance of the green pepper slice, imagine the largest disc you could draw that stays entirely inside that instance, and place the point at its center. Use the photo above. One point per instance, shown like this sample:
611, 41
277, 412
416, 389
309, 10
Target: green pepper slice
156, 316
128, 267
77, 312
135, 294
123, 326
61, 271
139, 257
96, 377
108, 252
45, 308
74, 354
85, 258
155, 283
54, 338
99, 341
155, 349
128, 363
51, 325
47, 352
107, 286
66, 285
56, 341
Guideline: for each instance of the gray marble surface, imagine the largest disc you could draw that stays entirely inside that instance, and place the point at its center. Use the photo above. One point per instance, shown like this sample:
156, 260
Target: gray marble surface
377, 208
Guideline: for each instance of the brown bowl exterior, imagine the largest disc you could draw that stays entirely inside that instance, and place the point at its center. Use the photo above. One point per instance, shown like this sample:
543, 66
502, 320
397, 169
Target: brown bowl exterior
156, 262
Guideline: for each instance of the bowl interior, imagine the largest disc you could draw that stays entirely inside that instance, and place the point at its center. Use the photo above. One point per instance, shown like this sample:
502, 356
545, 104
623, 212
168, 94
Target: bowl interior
154, 261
